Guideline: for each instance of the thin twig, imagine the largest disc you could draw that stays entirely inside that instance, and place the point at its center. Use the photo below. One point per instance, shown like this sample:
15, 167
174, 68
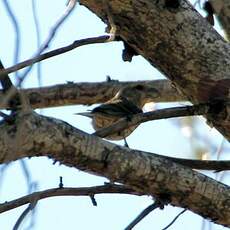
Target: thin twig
93, 200
12, 91
174, 219
50, 37
61, 185
3, 169
24, 214
16, 29
149, 116
27, 175
84, 191
142, 215
41, 57
38, 37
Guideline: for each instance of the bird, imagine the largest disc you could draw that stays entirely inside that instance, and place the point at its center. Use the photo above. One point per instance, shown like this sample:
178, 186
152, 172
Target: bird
127, 102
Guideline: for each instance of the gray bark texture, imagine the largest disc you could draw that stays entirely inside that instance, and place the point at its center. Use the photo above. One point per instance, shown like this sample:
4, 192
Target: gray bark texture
32, 135
179, 42
88, 93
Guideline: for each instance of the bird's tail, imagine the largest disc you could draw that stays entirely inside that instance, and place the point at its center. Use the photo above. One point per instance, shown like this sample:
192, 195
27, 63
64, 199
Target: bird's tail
85, 114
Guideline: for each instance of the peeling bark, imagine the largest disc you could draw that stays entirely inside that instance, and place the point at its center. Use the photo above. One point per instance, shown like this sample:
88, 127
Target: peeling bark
181, 44
34, 135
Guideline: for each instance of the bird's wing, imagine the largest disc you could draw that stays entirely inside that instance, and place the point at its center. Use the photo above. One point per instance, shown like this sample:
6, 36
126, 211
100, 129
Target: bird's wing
120, 108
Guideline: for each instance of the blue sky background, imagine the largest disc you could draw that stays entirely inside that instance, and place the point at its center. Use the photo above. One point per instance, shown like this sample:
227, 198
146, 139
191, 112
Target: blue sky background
89, 63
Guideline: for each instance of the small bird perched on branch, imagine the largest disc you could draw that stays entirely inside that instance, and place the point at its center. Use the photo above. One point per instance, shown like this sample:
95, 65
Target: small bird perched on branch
127, 102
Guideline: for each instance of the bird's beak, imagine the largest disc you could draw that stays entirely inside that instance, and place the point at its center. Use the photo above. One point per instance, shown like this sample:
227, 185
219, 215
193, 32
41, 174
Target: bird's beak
85, 114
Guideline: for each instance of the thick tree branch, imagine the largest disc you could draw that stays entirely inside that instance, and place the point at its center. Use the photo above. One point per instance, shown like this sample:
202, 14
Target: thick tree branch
180, 43
164, 114
8, 100
94, 92
34, 135
84, 191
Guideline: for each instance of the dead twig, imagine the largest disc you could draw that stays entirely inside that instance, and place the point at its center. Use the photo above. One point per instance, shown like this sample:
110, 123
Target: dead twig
142, 215
170, 224
84, 191
58, 51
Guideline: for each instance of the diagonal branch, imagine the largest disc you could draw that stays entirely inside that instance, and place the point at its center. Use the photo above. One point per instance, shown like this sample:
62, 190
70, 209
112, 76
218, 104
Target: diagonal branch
180, 43
173, 221
144, 172
41, 57
150, 116
70, 6
164, 114
30, 207
142, 215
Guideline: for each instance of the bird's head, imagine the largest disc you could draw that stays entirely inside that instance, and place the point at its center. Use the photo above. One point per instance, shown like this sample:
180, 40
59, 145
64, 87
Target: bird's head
139, 94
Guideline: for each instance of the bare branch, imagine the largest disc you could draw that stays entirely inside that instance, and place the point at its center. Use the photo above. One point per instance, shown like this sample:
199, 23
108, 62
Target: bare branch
52, 32
12, 91
16, 30
168, 42
145, 172
150, 116
173, 221
142, 215
84, 191
38, 37
41, 57
24, 214
163, 114
84, 93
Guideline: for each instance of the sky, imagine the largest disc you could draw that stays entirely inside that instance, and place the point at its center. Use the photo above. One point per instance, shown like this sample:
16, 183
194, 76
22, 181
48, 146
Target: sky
87, 64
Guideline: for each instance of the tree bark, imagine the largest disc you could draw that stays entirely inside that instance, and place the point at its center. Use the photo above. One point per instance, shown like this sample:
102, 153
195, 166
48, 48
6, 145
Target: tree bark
88, 93
178, 41
30, 134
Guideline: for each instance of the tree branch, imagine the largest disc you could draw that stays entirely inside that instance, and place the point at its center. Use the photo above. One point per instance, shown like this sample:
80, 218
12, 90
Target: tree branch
35, 135
24, 214
84, 191
142, 215
164, 114
41, 57
173, 221
153, 115
92, 93
181, 44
